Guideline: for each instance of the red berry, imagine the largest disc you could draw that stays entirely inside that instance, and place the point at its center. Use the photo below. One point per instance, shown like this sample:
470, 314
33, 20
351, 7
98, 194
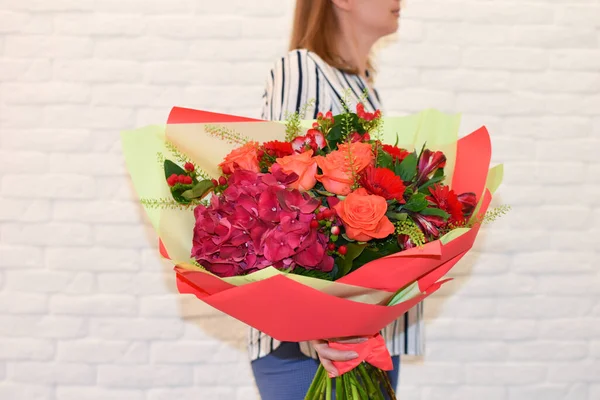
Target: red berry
188, 180
342, 250
320, 215
328, 213
331, 246
314, 224
214, 182
319, 115
366, 137
315, 125
172, 180
222, 180
181, 178
226, 170
335, 230
189, 166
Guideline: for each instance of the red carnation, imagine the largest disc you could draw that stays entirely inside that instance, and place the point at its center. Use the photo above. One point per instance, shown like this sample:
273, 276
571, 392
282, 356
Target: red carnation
382, 182
278, 149
367, 116
189, 166
445, 199
397, 153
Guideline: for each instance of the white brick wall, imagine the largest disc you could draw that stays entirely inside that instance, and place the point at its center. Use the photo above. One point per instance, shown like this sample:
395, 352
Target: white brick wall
88, 311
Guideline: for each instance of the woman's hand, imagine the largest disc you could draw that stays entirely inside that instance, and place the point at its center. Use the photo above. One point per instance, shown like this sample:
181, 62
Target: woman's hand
327, 354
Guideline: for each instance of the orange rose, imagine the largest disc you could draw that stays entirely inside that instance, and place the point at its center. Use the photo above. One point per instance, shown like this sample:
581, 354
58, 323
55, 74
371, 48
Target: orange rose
245, 157
304, 166
363, 215
336, 168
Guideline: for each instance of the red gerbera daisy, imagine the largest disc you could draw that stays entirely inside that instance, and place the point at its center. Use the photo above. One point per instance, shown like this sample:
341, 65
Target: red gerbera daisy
397, 153
445, 199
382, 182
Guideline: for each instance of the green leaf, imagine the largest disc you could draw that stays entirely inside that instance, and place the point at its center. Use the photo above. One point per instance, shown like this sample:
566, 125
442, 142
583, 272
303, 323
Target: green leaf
436, 212
396, 216
416, 203
347, 238
177, 193
421, 152
313, 273
408, 167
384, 159
353, 251
335, 135
375, 252
199, 190
172, 168
325, 193
424, 188
397, 169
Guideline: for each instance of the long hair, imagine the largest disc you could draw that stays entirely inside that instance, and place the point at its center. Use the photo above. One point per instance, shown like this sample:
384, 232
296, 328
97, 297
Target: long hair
316, 29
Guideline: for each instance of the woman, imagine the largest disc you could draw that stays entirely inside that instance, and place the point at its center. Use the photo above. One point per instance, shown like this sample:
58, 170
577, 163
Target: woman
329, 59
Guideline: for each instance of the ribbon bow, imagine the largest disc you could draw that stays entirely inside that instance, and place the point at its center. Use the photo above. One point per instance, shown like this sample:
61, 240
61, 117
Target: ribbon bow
373, 351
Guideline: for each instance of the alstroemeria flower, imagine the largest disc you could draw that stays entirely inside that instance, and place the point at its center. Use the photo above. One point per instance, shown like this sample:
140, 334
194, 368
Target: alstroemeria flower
428, 163
313, 140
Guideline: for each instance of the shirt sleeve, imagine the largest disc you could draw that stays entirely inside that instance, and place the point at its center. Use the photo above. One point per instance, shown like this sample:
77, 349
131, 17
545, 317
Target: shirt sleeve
293, 81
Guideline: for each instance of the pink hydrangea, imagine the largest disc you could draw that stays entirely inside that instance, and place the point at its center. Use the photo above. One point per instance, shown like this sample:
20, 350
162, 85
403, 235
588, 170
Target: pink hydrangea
257, 222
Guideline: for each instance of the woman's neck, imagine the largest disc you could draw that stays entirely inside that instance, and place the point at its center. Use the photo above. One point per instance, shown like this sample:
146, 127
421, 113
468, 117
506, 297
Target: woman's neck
354, 48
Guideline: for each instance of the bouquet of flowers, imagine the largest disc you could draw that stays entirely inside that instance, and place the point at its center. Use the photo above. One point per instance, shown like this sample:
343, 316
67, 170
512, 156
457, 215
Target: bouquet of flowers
315, 229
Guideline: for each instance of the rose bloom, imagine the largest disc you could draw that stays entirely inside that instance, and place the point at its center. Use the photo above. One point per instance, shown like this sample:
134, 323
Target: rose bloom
363, 215
303, 165
245, 157
336, 167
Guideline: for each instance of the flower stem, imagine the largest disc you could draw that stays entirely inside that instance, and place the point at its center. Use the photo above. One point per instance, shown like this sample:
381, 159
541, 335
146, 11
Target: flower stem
373, 390
347, 385
386, 383
314, 391
360, 386
355, 395
339, 387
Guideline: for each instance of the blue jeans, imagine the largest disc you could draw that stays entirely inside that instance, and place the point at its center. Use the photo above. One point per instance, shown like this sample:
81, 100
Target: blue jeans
286, 373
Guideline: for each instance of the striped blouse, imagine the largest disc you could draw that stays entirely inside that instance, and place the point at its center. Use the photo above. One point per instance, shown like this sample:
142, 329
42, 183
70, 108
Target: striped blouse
295, 79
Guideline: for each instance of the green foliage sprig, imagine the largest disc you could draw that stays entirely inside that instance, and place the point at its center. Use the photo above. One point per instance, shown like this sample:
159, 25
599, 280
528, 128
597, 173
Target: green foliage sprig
228, 135
293, 121
410, 228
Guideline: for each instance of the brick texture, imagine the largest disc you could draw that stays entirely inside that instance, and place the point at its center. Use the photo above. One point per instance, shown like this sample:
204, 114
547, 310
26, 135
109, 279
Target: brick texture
89, 312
